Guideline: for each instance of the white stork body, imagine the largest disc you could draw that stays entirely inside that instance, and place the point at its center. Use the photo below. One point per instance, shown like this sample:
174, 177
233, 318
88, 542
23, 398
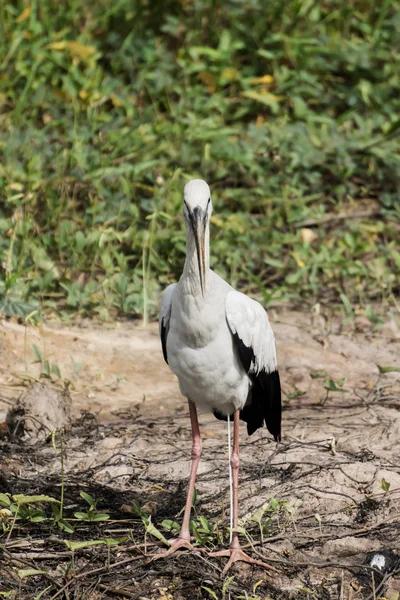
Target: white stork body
200, 349
221, 347
200, 343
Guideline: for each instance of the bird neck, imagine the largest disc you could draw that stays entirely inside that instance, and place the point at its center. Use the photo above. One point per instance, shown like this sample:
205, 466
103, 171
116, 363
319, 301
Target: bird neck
191, 276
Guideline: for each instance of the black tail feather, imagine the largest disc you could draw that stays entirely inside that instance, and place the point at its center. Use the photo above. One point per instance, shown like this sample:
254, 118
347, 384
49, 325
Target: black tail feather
265, 405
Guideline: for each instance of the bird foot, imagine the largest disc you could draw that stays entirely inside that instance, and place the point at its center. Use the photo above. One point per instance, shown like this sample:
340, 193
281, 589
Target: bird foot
237, 554
176, 544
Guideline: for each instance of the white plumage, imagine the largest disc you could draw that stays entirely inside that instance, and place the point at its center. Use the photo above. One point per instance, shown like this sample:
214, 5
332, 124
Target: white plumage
200, 346
216, 340
220, 345
250, 322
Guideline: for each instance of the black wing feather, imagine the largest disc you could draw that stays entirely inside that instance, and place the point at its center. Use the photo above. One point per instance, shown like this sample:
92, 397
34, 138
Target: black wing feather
265, 404
163, 335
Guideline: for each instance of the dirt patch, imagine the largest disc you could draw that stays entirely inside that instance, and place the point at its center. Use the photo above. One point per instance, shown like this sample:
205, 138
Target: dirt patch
335, 476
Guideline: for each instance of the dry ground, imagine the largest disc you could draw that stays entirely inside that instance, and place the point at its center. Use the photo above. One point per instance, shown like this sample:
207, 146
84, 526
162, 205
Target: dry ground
130, 440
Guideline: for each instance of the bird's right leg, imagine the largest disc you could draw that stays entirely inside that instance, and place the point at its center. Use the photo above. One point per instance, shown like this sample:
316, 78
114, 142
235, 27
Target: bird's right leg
235, 553
183, 540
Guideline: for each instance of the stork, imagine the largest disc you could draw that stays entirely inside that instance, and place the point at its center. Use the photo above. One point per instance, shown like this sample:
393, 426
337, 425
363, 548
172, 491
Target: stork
220, 345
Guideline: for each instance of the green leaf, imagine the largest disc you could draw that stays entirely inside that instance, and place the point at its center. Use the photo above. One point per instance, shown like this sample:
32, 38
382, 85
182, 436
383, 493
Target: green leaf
259, 513
65, 526
115, 541
388, 369
21, 499
100, 517
295, 393
152, 530
194, 529
37, 353
317, 374
29, 572
56, 370
169, 525
88, 498
210, 591
347, 304
274, 504
385, 485
82, 516
46, 368
205, 524
5, 500
38, 518
137, 508
227, 583
241, 530
81, 545
331, 386
266, 98
42, 593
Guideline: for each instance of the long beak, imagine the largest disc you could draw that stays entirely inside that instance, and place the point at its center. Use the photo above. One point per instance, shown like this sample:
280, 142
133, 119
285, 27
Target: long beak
198, 223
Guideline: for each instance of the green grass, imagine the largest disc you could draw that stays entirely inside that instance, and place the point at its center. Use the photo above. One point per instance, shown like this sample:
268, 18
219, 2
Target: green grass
289, 109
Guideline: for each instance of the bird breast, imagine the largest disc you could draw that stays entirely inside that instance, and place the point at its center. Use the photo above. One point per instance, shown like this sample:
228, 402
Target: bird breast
202, 355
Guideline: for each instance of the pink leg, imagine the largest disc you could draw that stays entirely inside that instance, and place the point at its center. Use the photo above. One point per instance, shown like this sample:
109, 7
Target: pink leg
196, 454
235, 552
183, 540
235, 464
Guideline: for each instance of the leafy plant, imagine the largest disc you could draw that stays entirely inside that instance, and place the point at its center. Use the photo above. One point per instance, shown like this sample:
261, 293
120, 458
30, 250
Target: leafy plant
148, 525
295, 392
290, 111
331, 386
47, 369
224, 589
206, 532
92, 514
383, 370
22, 507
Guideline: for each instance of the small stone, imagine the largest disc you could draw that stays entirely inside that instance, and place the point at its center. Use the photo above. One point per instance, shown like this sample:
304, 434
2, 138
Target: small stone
38, 411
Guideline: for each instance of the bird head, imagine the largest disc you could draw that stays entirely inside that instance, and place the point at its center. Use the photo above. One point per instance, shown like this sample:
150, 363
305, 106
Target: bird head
197, 209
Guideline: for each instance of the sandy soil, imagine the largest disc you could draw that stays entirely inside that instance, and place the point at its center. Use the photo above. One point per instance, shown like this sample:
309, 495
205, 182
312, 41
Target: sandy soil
335, 514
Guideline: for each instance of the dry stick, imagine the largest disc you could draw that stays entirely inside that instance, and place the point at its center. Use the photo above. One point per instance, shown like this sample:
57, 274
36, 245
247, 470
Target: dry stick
117, 591
373, 586
27, 564
11, 528
342, 585
41, 555
332, 564
384, 581
67, 553
283, 536
93, 571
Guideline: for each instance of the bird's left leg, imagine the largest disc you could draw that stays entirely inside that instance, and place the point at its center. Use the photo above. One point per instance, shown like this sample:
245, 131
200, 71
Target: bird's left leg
183, 540
235, 552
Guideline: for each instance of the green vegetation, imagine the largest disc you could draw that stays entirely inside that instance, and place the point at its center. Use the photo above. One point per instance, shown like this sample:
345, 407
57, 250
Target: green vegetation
290, 109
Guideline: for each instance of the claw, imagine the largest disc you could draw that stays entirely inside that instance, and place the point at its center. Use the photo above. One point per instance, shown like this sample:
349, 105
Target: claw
176, 544
237, 554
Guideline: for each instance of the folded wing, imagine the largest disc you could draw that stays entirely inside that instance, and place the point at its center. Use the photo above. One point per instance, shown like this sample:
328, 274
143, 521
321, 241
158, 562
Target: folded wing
255, 342
165, 316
